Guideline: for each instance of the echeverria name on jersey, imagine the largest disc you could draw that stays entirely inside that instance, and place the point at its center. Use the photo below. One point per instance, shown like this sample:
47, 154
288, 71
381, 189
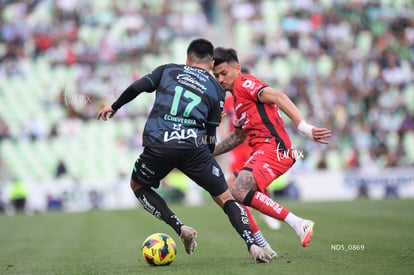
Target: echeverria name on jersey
187, 121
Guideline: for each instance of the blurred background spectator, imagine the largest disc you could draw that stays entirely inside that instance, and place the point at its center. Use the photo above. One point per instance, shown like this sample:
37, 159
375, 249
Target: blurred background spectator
348, 65
60, 169
18, 195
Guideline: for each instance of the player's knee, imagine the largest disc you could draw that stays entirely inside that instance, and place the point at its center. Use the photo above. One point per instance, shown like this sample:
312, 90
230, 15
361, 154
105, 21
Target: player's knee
223, 198
237, 194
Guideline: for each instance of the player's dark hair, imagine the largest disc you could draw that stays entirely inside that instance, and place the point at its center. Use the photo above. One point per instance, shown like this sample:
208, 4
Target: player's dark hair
245, 70
200, 50
222, 55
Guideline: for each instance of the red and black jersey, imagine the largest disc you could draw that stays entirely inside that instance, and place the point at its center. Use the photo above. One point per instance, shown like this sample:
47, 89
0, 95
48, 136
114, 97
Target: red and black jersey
262, 123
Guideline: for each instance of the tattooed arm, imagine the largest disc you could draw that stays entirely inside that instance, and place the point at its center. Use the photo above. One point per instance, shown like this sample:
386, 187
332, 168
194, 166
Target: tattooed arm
236, 138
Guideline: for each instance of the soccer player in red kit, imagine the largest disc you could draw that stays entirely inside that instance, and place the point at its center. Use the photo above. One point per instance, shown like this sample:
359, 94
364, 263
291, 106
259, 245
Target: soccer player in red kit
257, 112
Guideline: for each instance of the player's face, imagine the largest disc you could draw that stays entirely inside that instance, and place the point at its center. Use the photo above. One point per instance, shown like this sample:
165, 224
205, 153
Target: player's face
226, 75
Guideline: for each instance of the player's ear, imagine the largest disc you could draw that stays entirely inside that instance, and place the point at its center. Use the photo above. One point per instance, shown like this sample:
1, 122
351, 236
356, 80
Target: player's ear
187, 62
237, 67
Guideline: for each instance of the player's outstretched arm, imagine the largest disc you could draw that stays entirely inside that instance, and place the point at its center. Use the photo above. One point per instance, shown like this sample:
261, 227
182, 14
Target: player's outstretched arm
317, 134
236, 138
271, 96
146, 83
105, 113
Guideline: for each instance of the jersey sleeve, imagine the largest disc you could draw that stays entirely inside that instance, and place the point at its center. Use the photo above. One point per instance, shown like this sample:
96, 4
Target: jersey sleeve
147, 83
216, 111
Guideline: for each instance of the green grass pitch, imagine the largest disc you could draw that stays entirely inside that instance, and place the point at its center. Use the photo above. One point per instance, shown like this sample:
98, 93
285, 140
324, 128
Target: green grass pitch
355, 237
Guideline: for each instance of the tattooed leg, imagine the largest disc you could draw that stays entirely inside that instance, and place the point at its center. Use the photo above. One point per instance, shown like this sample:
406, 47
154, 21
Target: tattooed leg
244, 190
243, 184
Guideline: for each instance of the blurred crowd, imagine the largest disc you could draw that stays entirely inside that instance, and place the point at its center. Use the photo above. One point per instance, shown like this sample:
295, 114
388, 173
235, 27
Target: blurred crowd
348, 65
350, 68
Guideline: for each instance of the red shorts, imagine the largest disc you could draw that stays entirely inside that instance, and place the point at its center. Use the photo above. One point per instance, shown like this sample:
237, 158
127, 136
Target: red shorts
267, 164
239, 156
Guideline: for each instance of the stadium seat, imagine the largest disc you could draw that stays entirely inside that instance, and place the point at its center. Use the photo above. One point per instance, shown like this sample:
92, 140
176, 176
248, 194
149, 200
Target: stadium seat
243, 32
282, 71
271, 16
408, 141
295, 59
91, 35
400, 4
263, 68
178, 49
386, 3
326, 4
373, 69
409, 97
324, 65
406, 70
364, 41
334, 160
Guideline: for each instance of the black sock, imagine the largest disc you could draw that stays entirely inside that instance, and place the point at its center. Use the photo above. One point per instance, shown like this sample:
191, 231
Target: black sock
238, 218
249, 197
154, 204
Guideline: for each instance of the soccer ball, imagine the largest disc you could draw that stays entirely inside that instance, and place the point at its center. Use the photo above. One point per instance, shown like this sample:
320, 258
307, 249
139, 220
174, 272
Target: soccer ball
159, 249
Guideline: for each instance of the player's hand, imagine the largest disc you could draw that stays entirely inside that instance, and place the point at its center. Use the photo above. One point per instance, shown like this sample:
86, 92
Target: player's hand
321, 134
104, 112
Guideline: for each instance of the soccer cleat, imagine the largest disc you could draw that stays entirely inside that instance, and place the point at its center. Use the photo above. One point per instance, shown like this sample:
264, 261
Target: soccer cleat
259, 255
305, 232
188, 235
270, 252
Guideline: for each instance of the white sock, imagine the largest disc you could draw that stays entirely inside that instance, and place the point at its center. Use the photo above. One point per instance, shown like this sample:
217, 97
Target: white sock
260, 240
292, 220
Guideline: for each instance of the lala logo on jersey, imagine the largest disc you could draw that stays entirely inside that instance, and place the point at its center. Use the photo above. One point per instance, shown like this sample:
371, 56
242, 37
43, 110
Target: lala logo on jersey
180, 134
